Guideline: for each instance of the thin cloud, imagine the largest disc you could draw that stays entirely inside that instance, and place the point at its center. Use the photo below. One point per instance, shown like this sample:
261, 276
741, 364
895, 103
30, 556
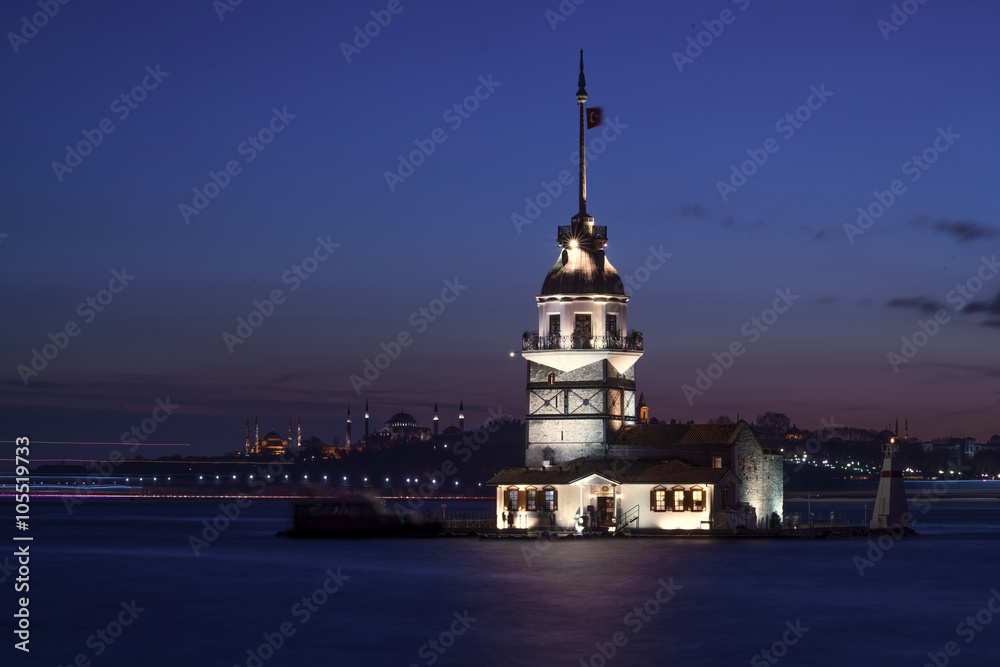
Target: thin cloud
921, 303
991, 307
965, 231
696, 211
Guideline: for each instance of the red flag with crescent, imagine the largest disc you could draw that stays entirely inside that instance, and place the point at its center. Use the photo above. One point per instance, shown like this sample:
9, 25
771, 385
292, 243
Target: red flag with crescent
595, 117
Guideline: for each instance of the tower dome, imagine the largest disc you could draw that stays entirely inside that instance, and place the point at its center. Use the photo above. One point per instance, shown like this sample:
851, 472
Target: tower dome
582, 269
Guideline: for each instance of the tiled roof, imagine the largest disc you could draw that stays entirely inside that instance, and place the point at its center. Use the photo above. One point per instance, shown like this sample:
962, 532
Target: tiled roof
644, 471
678, 434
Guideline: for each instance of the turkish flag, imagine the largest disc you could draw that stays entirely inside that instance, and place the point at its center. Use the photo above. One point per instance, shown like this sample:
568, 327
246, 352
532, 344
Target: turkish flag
595, 117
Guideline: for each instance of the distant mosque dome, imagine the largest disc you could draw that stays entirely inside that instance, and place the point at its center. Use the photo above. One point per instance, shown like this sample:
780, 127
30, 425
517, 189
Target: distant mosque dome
401, 420
453, 430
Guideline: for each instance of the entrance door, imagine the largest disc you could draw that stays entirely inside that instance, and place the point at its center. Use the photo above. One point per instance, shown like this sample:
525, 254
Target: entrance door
581, 332
605, 511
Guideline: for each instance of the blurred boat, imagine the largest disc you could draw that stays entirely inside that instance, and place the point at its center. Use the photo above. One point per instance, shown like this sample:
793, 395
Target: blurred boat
356, 515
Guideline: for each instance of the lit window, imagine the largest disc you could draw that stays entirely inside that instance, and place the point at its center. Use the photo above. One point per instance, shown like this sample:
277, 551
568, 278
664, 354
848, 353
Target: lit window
512, 500
678, 500
550, 500
530, 500
660, 500
697, 500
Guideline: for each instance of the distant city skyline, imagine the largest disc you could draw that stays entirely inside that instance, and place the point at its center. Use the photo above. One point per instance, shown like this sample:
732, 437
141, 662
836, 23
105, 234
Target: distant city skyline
280, 213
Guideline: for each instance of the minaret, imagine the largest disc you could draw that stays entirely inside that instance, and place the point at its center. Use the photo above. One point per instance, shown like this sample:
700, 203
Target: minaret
435, 418
366, 421
461, 416
288, 443
643, 410
347, 440
298, 436
581, 361
256, 434
890, 501
246, 446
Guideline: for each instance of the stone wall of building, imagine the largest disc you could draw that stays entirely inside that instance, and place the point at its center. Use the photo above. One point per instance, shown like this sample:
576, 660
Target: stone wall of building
762, 477
567, 438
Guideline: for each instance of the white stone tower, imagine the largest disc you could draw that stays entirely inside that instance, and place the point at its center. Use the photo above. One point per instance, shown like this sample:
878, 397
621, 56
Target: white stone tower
890, 502
581, 362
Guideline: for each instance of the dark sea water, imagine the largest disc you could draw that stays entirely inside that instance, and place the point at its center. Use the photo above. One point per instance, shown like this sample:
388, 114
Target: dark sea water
523, 603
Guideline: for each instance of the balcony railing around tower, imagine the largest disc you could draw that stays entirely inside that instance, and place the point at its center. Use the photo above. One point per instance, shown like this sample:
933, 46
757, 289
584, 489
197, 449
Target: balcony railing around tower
531, 341
599, 232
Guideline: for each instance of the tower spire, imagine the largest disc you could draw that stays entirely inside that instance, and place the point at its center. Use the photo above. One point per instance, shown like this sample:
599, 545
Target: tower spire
581, 98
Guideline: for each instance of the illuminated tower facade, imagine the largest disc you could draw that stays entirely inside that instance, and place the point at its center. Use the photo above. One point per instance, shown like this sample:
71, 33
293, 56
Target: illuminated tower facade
581, 362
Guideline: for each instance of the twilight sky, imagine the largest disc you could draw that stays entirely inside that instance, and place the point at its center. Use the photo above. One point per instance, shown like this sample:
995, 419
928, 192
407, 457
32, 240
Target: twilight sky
267, 92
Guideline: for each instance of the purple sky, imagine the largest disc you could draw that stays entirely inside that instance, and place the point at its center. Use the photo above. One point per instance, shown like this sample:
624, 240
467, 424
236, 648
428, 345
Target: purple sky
675, 127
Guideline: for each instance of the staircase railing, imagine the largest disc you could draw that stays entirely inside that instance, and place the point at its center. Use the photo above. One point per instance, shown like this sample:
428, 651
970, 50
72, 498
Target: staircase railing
624, 519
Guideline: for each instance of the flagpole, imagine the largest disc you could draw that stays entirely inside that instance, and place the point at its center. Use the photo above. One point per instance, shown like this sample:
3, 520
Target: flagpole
581, 98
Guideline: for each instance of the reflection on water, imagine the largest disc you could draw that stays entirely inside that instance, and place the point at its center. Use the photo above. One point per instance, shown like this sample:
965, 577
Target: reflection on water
534, 603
